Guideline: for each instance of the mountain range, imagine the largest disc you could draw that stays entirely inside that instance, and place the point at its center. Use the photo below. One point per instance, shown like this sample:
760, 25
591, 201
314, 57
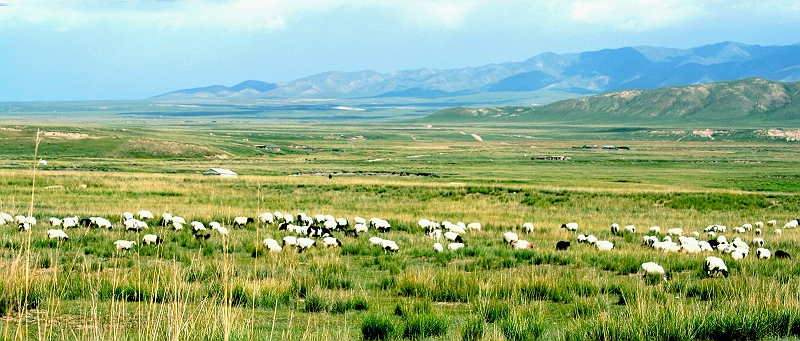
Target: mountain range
576, 74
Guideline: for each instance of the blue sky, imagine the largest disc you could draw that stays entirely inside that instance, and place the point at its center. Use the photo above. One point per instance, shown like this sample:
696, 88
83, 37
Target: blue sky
132, 49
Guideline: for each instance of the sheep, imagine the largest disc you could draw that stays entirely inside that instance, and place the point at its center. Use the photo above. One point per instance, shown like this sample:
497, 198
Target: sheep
737, 255
527, 227
772, 223
124, 245
654, 230
279, 217
127, 216
375, 240
342, 223
57, 234
649, 240
715, 266
722, 240
242, 221
151, 239
778, 232
791, 224
220, 229
757, 231
455, 246
757, 242
135, 225
360, 228
214, 225
474, 226
572, 227
630, 228
604, 245
177, 226
758, 224
272, 245
675, 231
521, 244
453, 237
24, 226
304, 243
178, 220
667, 239
456, 229
747, 226
103, 223
782, 254
331, 242
437, 247
389, 246
739, 229
266, 218
145, 214
509, 237
691, 248
591, 239
55, 222
705, 246
696, 234
6, 218
763, 253
166, 219
381, 225
197, 226
359, 220
581, 238
716, 228
653, 269
562, 245
614, 228
435, 234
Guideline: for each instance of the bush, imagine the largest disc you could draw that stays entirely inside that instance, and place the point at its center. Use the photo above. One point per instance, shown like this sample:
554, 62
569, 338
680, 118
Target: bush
473, 330
424, 325
315, 304
377, 327
521, 327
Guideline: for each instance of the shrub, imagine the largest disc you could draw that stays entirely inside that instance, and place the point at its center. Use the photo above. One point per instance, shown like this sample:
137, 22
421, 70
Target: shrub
473, 330
424, 325
377, 327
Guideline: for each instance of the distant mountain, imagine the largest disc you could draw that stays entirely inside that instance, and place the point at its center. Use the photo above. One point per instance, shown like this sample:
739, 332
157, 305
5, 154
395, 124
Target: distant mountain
583, 73
749, 101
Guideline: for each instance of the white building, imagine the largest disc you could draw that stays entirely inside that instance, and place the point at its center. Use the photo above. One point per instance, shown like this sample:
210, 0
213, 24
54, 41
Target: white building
226, 173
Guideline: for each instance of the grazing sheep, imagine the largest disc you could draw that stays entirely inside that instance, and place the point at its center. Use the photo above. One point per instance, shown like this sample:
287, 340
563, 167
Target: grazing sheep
582, 238
772, 223
715, 266
758, 231
242, 221
675, 231
747, 226
757, 242
279, 217
214, 225
24, 227
57, 234
778, 232
437, 247
763, 253
455, 246
722, 240
331, 242
151, 239
737, 255
145, 214
389, 246
127, 216
527, 227
124, 245
474, 226
739, 229
654, 230
266, 218
381, 225
653, 269
758, 224
614, 228
521, 244
562, 245
455, 229
509, 237
304, 243
272, 245
591, 239
791, 224
649, 240
178, 220
6, 218
782, 254
667, 239
375, 240
696, 234
55, 222
360, 228
435, 234
166, 219
572, 227
630, 228
455, 237
359, 220
604, 245
289, 240
197, 226
705, 246
342, 223
177, 226
135, 225
691, 248
221, 229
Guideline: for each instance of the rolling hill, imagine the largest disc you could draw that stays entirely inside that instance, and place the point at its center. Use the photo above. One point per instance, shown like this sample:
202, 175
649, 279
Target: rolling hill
751, 101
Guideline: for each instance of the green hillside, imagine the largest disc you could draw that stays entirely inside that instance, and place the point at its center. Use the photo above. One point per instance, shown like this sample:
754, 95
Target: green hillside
745, 103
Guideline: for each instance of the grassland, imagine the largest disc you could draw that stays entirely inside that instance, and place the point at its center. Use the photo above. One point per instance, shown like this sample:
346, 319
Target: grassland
232, 288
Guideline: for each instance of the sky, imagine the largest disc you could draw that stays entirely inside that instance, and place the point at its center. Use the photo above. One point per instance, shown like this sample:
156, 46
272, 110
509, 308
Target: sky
75, 50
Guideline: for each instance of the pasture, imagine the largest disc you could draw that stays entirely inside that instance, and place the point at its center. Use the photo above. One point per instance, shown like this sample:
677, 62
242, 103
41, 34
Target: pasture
234, 289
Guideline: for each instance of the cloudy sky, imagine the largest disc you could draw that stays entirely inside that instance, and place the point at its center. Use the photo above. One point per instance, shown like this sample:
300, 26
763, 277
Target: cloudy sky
131, 49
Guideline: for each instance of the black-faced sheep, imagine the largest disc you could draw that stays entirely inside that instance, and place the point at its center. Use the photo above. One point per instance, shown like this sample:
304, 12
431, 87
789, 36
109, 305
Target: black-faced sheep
455, 246
151, 239
614, 228
509, 237
57, 234
331, 242
145, 214
242, 221
389, 246
715, 266
572, 227
272, 245
452, 236
763, 253
305, 244
124, 245
527, 227
437, 247
653, 269
266, 218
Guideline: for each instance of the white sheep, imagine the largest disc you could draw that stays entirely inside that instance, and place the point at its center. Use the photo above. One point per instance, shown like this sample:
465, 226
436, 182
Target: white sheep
527, 227
221, 230
747, 226
435, 234
630, 228
757, 231
375, 240
739, 229
24, 227
604, 245
791, 224
7, 218
772, 223
359, 220
778, 232
166, 219
145, 214
102, 223
474, 226
179, 220
266, 218
177, 226
591, 239
452, 236
521, 244
124, 245
509, 237
456, 229
127, 216
331, 242
582, 238
151, 239
342, 223
437, 247
455, 246
389, 246
304, 243
57, 234
134, 225
715, 266
289, 240
757, 242
242, 221
705, 246
359, 228
736, 255
758, 224
272, 245
55, 221
197, 226
653, 269
675, 231
649, 240
572, 227
654, 230
763, 253
279, 216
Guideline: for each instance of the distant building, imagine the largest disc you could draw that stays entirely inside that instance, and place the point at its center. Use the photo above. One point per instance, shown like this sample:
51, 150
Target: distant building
272, 148
222, 172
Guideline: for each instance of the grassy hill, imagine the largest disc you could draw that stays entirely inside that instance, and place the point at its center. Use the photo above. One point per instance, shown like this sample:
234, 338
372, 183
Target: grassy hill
742, 103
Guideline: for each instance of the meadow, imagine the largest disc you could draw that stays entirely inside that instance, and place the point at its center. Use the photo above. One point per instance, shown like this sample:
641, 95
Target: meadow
233, 289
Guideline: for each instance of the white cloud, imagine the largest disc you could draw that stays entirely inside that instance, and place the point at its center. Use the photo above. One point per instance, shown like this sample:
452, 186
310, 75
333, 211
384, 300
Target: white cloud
636, 15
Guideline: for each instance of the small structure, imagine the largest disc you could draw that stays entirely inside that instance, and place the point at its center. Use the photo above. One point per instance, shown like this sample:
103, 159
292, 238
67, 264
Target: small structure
222, 172
271, 148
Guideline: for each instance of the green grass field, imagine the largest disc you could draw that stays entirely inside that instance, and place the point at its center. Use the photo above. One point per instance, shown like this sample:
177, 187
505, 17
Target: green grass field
233, 289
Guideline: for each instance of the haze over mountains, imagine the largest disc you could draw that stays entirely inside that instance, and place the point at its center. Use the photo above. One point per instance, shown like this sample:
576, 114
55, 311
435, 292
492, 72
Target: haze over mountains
575, 74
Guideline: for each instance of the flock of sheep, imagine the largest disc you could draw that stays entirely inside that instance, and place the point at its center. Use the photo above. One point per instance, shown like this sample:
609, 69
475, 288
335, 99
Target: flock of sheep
306, 231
